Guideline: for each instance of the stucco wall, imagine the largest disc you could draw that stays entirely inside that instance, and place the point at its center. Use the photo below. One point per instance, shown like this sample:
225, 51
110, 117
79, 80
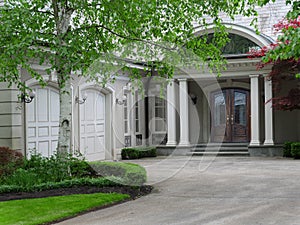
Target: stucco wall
11, 130
286, 123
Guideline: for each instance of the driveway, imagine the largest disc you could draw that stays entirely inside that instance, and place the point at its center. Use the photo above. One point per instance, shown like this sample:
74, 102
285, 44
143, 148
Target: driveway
208, 190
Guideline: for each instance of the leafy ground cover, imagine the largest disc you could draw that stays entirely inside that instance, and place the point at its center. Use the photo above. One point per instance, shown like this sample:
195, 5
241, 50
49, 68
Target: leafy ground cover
45, 210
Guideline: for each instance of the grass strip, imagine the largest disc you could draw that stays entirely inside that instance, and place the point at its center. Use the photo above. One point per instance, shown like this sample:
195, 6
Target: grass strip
44, 210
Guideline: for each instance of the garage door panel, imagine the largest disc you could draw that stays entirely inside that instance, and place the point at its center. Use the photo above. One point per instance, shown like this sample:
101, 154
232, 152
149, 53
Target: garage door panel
42, 116
31, 112
90, 107
90, 128
31, 145
100, 110
90, 144
100, 142
42, 105
53, 147
54, 99
100, 127
93, 125
43, 131
31, 132
43, 147
54, 131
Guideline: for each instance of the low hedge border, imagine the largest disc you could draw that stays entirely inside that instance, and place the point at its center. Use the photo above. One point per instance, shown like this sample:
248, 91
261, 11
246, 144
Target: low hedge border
98, 182
295, 150
138, 152
291, 149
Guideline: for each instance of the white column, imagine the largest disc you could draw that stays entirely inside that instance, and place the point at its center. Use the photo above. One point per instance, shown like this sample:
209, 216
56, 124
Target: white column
254, 110
171, 111
268, 113
183, 113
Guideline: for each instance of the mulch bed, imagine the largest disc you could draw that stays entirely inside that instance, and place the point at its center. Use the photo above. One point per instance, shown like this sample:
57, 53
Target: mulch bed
133, 192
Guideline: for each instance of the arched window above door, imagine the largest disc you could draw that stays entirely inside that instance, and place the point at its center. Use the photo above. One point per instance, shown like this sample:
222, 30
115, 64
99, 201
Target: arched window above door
237, 44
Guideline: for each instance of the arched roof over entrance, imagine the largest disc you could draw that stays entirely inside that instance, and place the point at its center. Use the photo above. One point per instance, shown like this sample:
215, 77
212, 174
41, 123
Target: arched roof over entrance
250, 34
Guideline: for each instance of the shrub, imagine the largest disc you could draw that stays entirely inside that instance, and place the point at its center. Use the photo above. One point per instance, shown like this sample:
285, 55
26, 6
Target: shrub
296, 150
287, 147
22, 178
138, 152
58, 167
122, 173
10, 160
39, 169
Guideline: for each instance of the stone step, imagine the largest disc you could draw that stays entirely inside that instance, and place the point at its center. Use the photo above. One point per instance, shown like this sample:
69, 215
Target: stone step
220, 149
221, 144
209, 153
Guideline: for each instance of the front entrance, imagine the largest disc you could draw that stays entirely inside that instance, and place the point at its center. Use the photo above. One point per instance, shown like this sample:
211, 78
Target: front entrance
230, 111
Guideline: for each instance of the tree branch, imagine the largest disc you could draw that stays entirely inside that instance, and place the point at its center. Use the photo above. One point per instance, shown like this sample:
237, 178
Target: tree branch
97, 26
45, 12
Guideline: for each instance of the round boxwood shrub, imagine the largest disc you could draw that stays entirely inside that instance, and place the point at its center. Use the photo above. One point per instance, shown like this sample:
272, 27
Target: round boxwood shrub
122, 173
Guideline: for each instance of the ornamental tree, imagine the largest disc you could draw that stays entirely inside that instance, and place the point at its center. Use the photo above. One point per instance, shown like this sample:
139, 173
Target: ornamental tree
69, 35
284, 55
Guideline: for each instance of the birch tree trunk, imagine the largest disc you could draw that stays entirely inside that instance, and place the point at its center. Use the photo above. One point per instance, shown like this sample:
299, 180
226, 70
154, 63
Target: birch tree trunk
65, 118
62, 16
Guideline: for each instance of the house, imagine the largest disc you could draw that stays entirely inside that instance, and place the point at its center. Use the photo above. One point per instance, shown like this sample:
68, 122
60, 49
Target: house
198, 108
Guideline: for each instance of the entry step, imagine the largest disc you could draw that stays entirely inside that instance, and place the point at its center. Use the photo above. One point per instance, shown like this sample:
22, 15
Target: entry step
220, 149
219, 153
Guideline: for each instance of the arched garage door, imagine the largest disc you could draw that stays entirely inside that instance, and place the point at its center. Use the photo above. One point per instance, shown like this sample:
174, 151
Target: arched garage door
92, 125
42, 118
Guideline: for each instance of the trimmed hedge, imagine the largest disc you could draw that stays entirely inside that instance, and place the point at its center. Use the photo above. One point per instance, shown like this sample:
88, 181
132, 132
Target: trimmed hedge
138, 152
287, 147
291, 149
295, 150
98, 182
122, 173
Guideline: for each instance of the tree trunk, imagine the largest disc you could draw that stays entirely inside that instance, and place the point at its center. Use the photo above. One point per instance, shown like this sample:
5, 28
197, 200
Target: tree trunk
62, 15
65, 118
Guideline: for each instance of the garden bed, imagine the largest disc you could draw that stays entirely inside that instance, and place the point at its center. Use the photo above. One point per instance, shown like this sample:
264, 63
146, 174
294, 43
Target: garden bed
66, 174
134, 192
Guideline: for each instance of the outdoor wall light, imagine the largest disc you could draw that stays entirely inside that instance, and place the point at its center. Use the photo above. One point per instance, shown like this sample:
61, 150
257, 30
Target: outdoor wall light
121, 101
194, 98
81, 101
27, 98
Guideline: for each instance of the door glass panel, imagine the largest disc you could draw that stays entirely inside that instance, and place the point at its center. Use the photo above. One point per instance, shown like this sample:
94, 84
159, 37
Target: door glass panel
240, 108
220, 109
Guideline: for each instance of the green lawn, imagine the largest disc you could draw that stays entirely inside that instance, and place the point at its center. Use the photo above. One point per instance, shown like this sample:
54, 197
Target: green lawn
42, 210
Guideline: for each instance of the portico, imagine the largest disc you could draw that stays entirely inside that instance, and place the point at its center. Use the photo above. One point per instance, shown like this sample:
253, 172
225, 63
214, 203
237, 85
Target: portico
236, 104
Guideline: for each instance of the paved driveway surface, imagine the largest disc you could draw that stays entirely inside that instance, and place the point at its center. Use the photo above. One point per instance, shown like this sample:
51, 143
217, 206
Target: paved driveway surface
222, 190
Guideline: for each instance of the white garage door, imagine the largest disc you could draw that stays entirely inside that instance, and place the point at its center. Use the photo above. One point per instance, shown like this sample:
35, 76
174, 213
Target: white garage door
92, 126
42, 117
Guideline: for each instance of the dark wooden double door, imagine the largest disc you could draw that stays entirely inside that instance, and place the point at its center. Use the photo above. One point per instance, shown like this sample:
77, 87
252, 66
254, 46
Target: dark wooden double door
230, 118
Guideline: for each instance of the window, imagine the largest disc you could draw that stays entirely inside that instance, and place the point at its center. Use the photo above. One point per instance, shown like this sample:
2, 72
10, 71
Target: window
160, 114
137, 113
127, 137
236, 45
126, 116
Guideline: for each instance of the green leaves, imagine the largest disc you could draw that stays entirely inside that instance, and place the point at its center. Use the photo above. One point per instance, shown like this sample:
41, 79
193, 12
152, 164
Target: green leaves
70, 37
